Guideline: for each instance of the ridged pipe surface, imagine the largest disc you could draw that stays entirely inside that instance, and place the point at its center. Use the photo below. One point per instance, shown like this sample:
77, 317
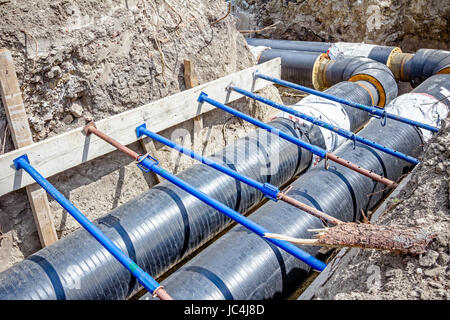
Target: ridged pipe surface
241, 265
425, 63
296, 66
359, 68
164, 224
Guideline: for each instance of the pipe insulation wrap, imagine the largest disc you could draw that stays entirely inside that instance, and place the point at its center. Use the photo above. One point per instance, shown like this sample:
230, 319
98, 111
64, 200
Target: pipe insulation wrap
425, 63
333, 112
164, 224
157, 228
428, 103
296, 66
240, 265
359, 68
377, 53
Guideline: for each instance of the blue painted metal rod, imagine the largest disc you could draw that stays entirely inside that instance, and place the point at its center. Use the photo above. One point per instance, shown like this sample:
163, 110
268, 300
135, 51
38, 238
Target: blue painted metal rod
374, 111
147, 163
269, 190
151, 164
144, 278
340, 131
314, 149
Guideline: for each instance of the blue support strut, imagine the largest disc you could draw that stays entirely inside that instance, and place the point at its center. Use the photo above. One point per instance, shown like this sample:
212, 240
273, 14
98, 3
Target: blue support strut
269, 190
147, 163
340, 131
144, 278
374, 111
151, 164
314, 149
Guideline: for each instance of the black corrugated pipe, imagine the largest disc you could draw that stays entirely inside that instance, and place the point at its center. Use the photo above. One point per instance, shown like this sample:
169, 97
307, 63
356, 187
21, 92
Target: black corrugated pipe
311, 46
382, 54
417, 67
165, 223
296, 66
329, 72
241, 265
413, 68
316, 69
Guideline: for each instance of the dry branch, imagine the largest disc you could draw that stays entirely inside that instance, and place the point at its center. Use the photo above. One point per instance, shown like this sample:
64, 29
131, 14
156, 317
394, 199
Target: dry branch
260, 30
405, 240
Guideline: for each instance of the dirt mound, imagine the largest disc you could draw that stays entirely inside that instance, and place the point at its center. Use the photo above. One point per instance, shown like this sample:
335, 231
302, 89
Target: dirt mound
424, 201
85, 60
409, 24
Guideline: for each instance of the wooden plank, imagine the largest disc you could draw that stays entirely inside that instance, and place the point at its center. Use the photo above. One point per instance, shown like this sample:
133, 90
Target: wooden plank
190, 77
21, 135
191, 80
72, 148
198, 138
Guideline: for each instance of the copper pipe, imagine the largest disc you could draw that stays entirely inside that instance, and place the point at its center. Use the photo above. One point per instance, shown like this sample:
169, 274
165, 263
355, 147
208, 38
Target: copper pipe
308, 209
162, 294
360, 170
91, 128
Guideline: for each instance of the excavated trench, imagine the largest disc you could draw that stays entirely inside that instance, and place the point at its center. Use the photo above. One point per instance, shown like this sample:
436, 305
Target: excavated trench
195, 251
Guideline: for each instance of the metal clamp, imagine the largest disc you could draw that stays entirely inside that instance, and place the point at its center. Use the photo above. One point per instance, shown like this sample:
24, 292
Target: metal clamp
270, 191
142, 158
384, 119
354, 141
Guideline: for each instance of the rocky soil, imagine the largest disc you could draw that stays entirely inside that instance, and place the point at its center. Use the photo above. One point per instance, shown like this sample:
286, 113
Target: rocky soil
411, 24
86, 60
424, 201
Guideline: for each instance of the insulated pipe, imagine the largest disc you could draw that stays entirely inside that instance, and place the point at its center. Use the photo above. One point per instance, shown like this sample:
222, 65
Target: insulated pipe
329, 72
322, 153
418, 67
144, 278
296, 66
148, 163
165, 224
264, 272
340, 131
300, 59
413, 68
374, 111
335, 50
270, 191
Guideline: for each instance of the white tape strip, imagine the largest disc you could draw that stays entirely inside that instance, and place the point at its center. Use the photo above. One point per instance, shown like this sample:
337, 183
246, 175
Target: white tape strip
341, 49
328, 111
419, 107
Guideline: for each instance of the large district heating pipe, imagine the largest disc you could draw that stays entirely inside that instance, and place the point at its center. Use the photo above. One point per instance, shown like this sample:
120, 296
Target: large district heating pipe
301, 60
241, 265
165, 224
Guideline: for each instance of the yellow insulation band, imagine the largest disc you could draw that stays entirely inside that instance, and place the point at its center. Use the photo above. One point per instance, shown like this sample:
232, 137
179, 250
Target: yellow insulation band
444, 71
318, 72
367, 89
376, 83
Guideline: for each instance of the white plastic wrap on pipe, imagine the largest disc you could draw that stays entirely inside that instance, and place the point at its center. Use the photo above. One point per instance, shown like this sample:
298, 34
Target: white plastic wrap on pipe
326, 110
257, 51
420, 107
340, 50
